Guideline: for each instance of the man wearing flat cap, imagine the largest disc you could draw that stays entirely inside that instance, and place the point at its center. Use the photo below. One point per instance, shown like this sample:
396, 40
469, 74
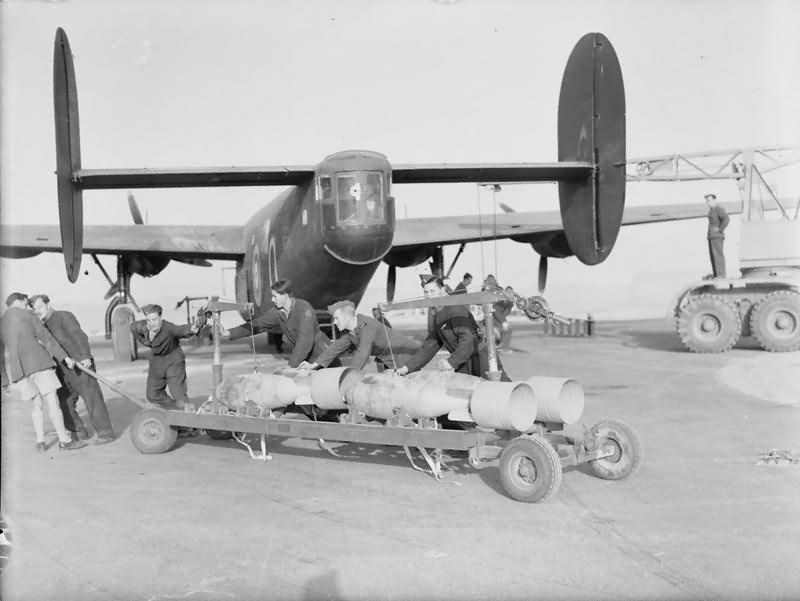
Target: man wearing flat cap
167, 361
717, 222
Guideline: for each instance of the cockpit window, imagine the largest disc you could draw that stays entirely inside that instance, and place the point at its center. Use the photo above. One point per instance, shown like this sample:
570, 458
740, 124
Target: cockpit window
324, 188
359, 198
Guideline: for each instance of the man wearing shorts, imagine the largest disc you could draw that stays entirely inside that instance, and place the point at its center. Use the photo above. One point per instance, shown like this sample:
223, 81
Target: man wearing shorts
31, 349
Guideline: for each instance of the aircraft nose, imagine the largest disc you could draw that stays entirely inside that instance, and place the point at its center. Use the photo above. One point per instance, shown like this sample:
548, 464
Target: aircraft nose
359, 245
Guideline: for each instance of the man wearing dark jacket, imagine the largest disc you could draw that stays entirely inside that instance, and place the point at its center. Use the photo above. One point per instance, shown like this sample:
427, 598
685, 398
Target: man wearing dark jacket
297, 320
31, 349
67, 331
463, 285
454, 328
717, 222
366, 336
167, 361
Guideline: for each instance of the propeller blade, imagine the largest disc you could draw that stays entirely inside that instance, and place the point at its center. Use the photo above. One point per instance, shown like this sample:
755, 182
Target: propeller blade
542, 273
391, 280
134, 209
197, 262
506, 208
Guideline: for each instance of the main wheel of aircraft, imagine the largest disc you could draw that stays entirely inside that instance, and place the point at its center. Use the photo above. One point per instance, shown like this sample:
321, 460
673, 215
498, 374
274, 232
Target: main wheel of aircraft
775, 321
621, 441
530, 469
150, 432
122, 337
219, 434
709, 324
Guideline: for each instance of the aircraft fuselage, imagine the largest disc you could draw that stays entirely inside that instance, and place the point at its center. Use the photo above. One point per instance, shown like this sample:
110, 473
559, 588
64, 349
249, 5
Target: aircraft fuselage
327, 236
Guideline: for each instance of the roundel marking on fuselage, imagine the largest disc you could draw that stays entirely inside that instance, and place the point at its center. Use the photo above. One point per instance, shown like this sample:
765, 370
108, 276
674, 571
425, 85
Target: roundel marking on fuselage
272, 259
257, 279
255, 273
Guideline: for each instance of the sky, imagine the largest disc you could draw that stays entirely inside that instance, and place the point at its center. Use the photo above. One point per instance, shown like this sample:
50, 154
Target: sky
197, 83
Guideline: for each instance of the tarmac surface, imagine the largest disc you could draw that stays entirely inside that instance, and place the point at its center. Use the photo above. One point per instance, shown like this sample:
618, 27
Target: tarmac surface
703, 518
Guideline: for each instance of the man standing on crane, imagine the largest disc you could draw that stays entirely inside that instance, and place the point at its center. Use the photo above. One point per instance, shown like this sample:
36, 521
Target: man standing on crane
717, 222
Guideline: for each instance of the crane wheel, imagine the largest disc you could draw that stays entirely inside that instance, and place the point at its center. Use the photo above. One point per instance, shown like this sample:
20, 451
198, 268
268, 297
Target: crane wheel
775, 321
709, 324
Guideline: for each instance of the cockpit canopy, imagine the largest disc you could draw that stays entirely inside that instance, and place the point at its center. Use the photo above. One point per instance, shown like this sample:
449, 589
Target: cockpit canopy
358, 196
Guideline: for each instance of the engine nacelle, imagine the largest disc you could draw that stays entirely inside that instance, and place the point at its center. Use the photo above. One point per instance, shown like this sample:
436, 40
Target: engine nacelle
550, 244
410, 256
144, 264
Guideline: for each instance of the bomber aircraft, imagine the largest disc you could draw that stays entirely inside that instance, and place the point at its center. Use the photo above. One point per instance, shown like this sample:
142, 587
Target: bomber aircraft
336, 221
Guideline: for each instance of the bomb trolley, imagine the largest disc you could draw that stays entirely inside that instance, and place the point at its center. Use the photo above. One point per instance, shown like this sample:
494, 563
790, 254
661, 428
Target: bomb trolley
530, 463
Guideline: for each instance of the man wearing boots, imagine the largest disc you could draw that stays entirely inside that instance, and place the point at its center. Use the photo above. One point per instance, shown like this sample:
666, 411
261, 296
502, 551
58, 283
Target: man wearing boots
167, 361
717, 222
68, 333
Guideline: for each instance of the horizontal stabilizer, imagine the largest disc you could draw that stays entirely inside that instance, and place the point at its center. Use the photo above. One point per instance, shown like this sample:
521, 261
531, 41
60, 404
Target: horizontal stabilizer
446, 173
188, 177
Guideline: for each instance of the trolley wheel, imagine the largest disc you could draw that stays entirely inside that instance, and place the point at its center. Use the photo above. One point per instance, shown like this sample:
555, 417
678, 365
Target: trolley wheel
709, 324
530, 469
151, 433
219, 434
775, 321
620, 439
122, 337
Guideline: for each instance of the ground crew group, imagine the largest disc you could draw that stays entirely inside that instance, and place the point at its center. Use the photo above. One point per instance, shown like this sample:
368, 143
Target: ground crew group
366, 336
49, 359
452, 328
45, 350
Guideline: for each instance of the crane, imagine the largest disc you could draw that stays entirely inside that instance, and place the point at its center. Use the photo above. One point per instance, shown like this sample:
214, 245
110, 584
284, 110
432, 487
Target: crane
764, 302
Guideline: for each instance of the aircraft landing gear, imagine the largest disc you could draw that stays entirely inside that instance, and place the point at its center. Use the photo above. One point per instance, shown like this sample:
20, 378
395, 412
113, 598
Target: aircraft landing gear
123, 340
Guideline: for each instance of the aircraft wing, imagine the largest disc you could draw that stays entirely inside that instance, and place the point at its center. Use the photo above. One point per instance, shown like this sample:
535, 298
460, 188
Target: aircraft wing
454, 230
176, 241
